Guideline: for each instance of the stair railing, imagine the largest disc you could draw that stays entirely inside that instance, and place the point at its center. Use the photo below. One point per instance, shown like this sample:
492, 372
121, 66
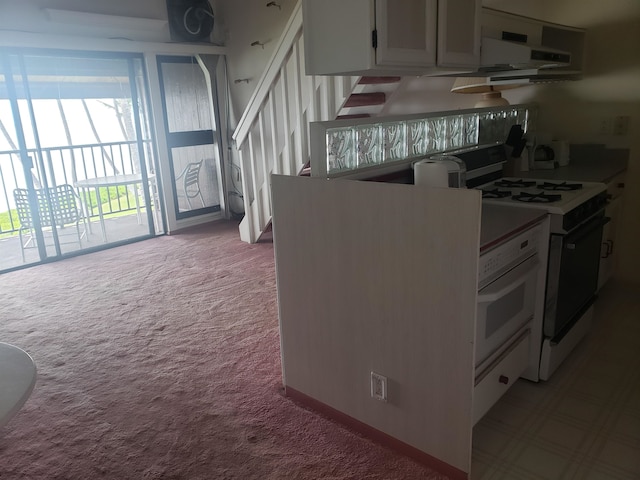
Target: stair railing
272, 135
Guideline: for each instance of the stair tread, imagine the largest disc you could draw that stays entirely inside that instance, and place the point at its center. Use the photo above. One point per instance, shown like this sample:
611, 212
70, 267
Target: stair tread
378, 80
353, 115
366, 99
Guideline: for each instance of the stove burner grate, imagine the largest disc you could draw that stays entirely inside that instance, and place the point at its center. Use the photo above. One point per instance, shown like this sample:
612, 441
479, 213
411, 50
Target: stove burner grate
496, 193
563, 186
537, 197
514, 183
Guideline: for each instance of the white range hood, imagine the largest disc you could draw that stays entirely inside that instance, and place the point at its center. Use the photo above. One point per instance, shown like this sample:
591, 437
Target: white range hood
505, 55
520, 49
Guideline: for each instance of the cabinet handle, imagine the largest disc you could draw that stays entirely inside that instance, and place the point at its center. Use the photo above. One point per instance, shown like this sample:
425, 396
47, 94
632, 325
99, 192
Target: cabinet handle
610, 243
504, 379
607, 249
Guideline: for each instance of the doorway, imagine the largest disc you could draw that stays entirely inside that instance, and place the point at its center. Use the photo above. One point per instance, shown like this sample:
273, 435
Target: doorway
77, 160
193, 139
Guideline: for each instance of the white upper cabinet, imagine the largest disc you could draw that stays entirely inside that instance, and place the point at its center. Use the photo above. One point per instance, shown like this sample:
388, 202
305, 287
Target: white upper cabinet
387, 37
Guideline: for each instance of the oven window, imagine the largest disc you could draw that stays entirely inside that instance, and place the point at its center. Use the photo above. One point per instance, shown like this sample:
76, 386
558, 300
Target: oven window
578, 278
503, 310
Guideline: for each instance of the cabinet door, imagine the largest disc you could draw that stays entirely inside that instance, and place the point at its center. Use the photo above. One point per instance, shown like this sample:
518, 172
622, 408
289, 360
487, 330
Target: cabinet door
459, 33
406, 32
337, 36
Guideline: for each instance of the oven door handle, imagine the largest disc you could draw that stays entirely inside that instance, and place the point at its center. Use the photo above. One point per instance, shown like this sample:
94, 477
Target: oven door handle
596, 225
507, 283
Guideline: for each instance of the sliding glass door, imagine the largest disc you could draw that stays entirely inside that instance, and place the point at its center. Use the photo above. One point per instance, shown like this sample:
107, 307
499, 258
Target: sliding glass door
16, 177
77, 164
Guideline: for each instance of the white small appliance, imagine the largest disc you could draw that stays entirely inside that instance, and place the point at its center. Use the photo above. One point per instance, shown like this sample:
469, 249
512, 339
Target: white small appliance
440, 171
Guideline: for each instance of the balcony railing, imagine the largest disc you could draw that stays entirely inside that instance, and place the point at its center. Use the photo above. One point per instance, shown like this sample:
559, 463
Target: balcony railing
67, 165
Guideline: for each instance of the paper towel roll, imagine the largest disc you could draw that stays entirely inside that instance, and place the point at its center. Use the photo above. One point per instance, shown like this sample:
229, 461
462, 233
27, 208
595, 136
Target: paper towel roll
429, 173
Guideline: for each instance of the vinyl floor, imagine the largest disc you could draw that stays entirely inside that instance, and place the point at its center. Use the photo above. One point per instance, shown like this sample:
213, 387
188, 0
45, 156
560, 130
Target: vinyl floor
584, 422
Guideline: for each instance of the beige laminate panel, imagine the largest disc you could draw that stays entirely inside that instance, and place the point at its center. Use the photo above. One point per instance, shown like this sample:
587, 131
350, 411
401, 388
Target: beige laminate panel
500, 222
381, 277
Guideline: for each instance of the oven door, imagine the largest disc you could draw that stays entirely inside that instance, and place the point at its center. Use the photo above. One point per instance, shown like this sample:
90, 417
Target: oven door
504, 306
572, 276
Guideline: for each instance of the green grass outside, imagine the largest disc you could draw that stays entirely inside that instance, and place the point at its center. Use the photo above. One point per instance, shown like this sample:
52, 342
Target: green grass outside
112, 199
5, 222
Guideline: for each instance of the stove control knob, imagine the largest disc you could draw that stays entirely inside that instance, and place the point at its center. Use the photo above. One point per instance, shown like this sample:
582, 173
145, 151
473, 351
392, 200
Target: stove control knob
504, 379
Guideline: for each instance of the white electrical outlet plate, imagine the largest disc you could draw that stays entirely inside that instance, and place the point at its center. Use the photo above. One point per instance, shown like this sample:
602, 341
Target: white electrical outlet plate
378, 387
606, 126
621, 125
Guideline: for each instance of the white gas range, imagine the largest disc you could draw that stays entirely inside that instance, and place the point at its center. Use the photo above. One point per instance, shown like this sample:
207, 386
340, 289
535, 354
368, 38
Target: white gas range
576, 212
569, 203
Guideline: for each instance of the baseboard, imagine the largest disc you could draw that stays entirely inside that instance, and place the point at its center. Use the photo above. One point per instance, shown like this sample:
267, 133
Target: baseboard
377, 436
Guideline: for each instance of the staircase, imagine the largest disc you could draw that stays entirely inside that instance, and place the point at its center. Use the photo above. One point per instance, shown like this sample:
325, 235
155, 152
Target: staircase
369, 97
273, 134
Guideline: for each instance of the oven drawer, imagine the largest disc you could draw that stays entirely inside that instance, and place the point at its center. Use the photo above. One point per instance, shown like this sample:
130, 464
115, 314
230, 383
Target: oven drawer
498, 377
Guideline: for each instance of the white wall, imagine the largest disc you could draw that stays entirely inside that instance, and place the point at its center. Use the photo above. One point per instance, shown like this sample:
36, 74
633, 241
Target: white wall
31, 16
248, 21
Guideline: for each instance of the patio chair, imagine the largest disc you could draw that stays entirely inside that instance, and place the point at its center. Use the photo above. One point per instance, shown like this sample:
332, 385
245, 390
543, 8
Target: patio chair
57, 208
190, 177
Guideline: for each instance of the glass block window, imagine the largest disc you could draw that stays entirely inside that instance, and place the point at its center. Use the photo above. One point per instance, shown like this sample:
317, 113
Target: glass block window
357, 146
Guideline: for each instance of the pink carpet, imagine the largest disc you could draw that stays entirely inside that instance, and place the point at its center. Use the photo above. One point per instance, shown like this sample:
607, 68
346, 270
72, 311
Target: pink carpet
161, 360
